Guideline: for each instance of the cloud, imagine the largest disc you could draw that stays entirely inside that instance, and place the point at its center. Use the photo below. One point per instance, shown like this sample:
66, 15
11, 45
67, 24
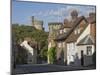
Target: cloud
82, 10
52, 12
65, 11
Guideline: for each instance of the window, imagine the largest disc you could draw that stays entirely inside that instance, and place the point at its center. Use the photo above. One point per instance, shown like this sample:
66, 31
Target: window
89, 50
75, 31
59, 45
65, 30
61, 31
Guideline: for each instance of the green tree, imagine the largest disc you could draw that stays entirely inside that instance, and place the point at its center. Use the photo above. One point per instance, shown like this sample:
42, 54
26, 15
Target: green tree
43, 53
52, 55
21, 31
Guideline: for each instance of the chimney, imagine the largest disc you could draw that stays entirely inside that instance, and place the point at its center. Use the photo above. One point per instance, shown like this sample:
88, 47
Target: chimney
92, 18
92, 15
92, 21
74, 15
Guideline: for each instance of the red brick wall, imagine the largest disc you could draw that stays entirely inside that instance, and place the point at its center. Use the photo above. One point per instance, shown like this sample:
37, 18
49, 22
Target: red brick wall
93, 30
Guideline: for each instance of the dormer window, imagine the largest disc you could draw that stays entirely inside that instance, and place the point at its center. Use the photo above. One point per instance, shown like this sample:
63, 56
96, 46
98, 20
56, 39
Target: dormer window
77, 31
61, 31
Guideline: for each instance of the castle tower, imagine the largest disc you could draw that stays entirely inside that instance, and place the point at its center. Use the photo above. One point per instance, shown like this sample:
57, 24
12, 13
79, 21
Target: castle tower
53, 28
37, 24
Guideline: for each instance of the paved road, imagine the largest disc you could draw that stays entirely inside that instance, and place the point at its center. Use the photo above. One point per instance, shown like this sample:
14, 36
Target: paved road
39, 68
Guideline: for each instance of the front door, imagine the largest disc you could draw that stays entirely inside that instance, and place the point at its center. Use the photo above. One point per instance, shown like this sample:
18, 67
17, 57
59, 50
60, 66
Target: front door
82, 58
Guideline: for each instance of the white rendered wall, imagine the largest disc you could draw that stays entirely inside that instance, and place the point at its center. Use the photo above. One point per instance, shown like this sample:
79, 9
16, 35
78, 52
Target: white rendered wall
71, 51
84, 48
27, 47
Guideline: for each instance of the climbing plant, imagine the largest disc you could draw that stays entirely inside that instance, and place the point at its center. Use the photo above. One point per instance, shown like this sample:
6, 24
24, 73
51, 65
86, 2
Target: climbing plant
19, 32
52, 55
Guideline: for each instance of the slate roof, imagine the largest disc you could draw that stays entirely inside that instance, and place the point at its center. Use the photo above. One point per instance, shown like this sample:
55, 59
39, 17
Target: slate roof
70, 35
87, 40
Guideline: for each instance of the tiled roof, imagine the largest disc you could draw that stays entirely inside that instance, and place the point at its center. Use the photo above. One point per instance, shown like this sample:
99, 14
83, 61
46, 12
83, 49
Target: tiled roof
70, 35
69, 25
66, 24
61, 37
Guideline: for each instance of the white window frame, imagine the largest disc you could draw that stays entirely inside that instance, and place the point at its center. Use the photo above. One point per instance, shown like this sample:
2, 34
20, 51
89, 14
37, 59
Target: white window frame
89, 50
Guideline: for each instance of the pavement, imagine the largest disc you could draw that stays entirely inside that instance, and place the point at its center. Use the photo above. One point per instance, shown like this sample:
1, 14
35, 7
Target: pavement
41, 68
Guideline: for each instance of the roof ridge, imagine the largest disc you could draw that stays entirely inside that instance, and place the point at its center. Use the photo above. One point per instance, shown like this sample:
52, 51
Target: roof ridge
74, 26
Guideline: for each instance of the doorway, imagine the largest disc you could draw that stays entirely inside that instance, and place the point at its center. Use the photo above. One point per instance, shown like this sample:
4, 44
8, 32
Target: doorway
82, 58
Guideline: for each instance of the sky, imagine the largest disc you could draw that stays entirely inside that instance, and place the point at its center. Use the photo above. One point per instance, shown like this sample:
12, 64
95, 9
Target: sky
48, 12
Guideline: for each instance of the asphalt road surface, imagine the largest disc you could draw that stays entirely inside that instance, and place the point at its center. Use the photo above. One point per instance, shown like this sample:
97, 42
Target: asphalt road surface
40, 68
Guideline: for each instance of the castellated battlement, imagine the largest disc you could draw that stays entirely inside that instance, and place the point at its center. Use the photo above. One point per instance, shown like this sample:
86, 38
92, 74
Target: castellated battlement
38, 24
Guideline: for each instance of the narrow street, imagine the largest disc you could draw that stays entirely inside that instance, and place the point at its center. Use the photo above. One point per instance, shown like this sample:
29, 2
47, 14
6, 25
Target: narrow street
40, 68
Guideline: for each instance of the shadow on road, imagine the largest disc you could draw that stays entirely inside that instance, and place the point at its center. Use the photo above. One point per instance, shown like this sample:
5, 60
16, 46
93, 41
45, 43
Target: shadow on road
40, 68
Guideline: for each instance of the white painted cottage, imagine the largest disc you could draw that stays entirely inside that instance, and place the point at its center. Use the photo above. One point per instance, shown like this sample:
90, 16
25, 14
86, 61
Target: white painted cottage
31, 59
78, 44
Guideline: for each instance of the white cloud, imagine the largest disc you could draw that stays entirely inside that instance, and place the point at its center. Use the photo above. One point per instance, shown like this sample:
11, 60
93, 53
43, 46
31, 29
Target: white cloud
52, 12
65, 11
